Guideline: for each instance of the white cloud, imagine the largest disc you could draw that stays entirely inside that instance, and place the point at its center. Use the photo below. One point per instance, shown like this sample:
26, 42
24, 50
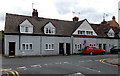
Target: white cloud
60, 9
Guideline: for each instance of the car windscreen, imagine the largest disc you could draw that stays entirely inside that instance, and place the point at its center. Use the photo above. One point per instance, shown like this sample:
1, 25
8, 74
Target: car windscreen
86, 47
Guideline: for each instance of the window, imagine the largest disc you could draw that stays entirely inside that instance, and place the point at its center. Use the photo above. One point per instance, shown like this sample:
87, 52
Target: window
50, 31
23, 46
111, 34
49, 46
30, 46
81, 32
26, 29
89, 32
78, 46
47, 30
93, 47
27, 46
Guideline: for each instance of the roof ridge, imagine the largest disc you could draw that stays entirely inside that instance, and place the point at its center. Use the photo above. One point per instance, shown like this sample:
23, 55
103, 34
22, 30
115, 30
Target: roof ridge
43, 18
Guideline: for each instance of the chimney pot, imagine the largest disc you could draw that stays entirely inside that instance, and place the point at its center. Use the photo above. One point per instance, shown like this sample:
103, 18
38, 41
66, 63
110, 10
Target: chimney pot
35, 13
75, 18
113, 18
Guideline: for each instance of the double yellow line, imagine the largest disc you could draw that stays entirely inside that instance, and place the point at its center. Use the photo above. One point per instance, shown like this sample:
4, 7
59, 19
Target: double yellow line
13, 72
103, 61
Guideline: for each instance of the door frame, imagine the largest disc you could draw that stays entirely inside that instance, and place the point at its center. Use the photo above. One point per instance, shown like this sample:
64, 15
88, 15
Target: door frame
61, 48
12, 43
68, 48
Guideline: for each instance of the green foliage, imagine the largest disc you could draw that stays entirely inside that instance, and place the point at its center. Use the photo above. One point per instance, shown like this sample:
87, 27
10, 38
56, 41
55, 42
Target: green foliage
0, 35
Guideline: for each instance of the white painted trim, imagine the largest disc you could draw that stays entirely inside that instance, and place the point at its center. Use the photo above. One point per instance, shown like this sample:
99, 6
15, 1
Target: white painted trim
85, 26
28, 46
49, 47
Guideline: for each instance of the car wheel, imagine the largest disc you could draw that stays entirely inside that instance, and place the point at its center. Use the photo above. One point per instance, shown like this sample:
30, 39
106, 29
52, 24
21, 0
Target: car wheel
103, 53
91, 53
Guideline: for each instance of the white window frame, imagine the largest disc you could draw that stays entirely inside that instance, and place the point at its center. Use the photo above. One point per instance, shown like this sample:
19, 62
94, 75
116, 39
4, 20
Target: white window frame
27, 44
78, 46
111, 34
49, 46
49, 30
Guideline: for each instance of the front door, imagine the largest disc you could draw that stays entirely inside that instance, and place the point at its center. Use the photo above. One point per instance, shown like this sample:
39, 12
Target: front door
61, 48
11, 48
68, 48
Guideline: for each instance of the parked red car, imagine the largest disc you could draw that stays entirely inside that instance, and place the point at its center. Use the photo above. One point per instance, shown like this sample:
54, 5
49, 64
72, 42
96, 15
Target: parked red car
93, 50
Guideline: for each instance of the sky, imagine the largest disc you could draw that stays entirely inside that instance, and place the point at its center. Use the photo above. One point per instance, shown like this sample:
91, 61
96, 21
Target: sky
92, 10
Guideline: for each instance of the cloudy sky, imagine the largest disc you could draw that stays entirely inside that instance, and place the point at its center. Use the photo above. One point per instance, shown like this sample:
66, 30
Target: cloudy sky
93, 10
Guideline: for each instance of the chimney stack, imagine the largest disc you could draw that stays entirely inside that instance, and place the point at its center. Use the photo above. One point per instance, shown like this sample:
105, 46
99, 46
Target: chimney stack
75, 19
104, 22
35, 13
113, 22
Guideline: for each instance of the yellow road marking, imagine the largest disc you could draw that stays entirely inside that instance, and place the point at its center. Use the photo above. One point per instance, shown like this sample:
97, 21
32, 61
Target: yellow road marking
103, 61
13, 72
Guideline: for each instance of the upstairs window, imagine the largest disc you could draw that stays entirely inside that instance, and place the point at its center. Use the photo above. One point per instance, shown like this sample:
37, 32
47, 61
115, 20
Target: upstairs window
85, 32
111, 34
26, 27
49, 28
50, 31
89, 32
81, 32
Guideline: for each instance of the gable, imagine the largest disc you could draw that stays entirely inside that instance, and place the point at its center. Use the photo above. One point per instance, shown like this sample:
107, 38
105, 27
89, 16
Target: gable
26, 23
85, 26
26, 27
49, 25
111, 31
49, 28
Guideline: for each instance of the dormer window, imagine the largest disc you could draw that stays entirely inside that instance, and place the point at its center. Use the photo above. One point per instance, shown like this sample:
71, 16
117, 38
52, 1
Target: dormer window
26, 27
81, 32
50, 31
85, 32
49, 28
111, 33
89, 32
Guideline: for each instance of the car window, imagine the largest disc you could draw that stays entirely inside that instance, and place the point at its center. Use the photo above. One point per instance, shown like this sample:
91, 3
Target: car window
117, 47
86, 47
93, 47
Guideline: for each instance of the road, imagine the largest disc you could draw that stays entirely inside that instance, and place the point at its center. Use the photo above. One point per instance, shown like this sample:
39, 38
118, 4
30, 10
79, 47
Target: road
61, 65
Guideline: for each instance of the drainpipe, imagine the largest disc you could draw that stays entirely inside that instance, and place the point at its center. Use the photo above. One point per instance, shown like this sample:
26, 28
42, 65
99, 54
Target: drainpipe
72, 38
40, 45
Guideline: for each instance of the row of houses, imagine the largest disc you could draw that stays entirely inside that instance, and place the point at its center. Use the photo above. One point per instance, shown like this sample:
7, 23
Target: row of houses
33, 35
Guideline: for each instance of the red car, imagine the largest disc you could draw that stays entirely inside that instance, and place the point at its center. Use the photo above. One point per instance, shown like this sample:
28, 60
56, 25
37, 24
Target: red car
93, 50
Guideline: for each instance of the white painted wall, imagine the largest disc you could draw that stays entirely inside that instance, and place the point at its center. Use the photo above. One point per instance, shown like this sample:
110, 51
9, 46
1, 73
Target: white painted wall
85, 26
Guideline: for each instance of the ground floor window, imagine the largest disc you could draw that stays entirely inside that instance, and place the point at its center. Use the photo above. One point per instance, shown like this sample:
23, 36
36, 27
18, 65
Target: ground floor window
27, 46
92, 44
49, 46
78, 46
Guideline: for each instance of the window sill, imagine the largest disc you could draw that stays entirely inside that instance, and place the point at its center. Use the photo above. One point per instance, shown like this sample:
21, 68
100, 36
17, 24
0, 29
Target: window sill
49, 49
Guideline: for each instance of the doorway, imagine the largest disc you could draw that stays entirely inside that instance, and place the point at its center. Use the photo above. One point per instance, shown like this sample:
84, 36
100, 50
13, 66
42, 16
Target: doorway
11, 48
104, 46
68, 48
61, 48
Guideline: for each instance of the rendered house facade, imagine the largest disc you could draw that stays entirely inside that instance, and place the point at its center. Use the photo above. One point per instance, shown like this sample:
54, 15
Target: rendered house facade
33, 35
